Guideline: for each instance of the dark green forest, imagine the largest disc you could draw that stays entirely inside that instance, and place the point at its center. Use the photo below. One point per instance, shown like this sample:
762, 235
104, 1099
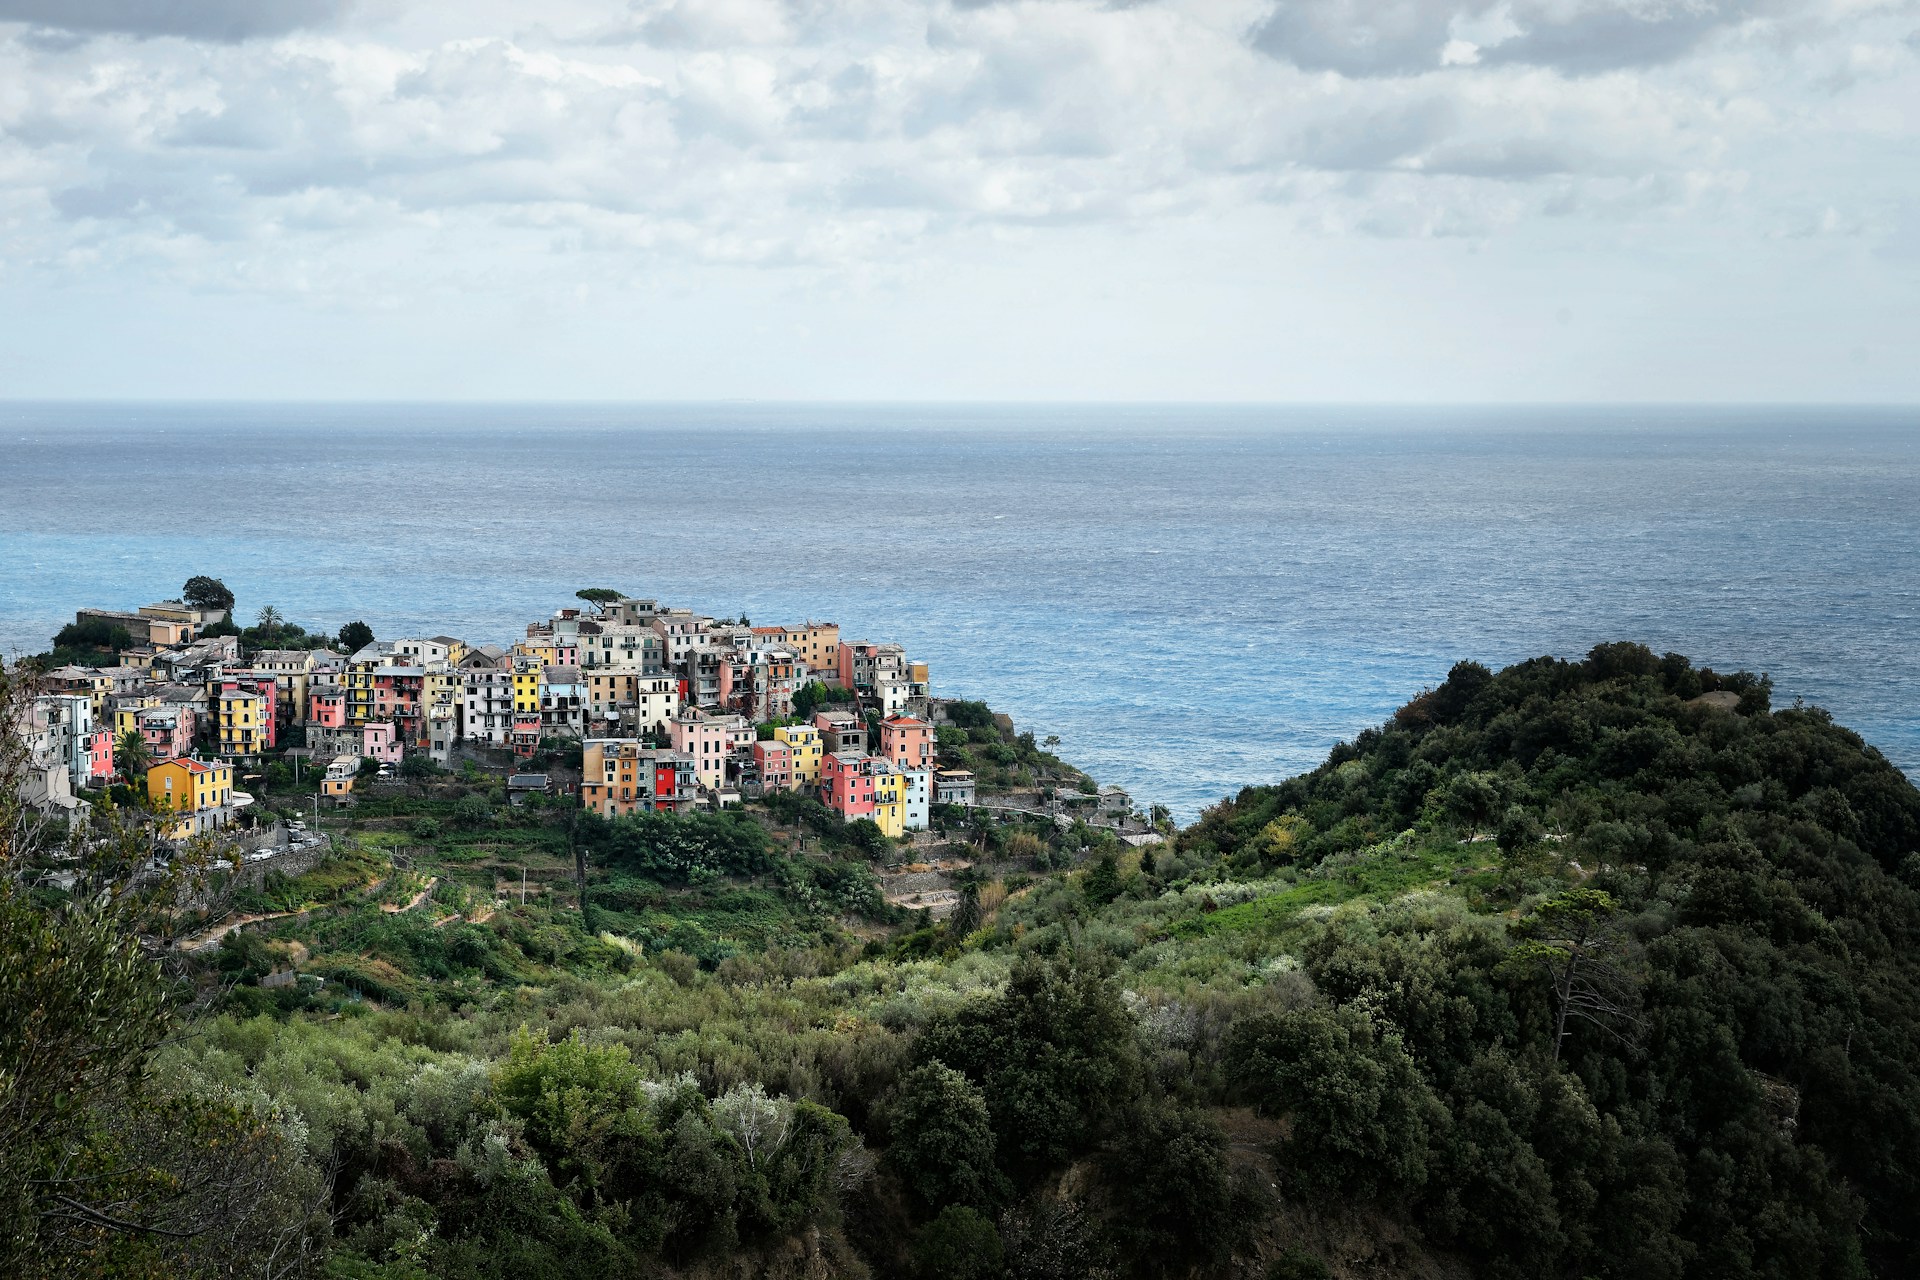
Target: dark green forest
1602, 968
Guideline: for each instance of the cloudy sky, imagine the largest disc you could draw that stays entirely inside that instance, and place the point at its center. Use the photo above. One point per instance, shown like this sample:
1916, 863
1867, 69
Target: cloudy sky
1038, 199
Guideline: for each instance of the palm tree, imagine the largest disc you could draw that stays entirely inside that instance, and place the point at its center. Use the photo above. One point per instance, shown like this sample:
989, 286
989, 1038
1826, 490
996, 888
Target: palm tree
130, 755
269, 620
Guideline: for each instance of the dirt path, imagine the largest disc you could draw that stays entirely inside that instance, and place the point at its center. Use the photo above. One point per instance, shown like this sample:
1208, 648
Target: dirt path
211, 938
418, 898
481, 916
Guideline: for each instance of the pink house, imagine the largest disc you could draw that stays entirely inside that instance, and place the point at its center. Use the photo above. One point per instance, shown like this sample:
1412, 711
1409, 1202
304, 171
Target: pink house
774, 760
100, 756
168, 731
708, 741
846, 787
399, 696
327, 708
525, 733
907, 741
379, 741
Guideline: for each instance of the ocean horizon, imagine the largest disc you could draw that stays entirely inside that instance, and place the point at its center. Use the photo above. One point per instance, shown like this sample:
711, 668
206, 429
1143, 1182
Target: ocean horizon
1193, 597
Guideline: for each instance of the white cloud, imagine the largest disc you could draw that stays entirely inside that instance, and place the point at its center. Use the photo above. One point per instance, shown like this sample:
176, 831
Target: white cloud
350, 156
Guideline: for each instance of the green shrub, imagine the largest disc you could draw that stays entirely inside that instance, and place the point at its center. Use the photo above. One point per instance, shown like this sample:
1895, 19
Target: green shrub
960, 1244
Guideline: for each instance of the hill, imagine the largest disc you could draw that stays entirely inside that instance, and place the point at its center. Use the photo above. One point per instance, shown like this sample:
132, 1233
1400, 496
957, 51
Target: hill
1598, 968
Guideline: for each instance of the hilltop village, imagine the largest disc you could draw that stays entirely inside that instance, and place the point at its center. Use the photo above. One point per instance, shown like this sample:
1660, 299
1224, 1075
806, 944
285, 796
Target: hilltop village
670, 710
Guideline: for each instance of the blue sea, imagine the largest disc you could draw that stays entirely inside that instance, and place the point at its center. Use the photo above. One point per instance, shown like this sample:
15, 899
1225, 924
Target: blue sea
1192, 598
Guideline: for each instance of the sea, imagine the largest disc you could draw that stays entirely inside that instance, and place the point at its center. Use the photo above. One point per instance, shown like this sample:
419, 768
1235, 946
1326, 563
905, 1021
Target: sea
1191, 598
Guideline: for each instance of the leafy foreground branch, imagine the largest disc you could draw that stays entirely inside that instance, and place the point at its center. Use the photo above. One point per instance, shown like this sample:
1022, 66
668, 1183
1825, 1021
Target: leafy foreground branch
106, 1168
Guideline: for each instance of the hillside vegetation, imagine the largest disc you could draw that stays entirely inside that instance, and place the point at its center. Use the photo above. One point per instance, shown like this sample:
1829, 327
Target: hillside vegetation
1601, 968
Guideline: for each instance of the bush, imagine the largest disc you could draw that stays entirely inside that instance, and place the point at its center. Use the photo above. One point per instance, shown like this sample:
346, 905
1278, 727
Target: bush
943, 1139
1298, 1264
1173, 1197
1360, 1114
960, 1244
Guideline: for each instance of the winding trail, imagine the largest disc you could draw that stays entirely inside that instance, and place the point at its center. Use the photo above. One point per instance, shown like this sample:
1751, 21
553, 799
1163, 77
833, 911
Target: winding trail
418, 898
211, 937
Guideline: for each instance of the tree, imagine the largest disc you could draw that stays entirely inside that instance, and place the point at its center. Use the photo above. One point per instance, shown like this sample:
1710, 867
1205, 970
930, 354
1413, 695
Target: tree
206, 593
1103, 880
1168, 1169
131, 756
600, 597
1051, 741
103, 1169
1575, 940
1360, 1116
355, 636
966, 913
269, 620
1472, 799
1054, 1055
960, 1244
943, 1139
472, 811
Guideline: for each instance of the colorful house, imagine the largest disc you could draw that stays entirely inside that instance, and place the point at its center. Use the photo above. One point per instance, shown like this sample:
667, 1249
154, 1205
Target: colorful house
613, 779
840, 732
327, 707
953, 786
486, 716
888, 796
563, 702
99, 757
382, 742
526, 684
907, 741
399, 697
619, 776
443, 693
760, 682
773, 761
196, 794
803, 740
337, 785
916, 788
817, 645
167, 729
524, 734
846, 787
708, 741
242, 721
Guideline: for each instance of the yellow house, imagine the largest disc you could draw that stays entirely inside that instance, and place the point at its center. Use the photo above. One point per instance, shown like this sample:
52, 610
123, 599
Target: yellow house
442, 690
541, 649
889, 802
526, 684
126, 712
818, 645
359, 685
804, 742
196, 793
241, 718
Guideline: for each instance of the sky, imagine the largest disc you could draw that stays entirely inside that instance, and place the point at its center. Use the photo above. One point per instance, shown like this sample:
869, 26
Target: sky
1321, 200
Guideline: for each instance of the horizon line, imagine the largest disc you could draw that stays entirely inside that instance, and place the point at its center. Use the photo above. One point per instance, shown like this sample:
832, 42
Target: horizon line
981, 402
